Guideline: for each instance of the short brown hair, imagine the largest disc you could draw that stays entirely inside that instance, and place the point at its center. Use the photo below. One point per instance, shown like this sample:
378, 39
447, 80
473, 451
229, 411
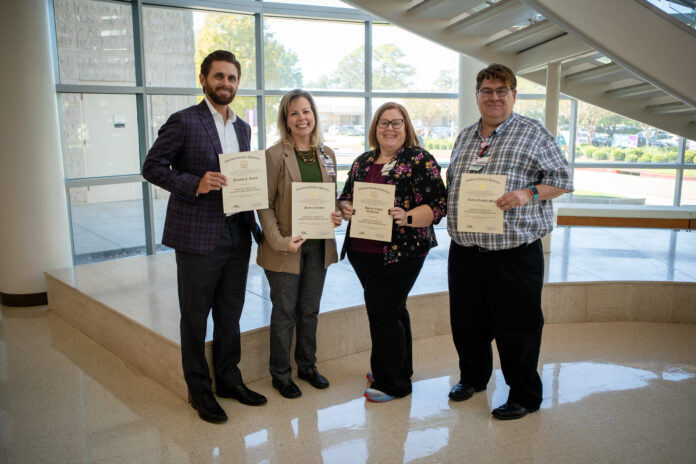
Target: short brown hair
411, 139
496, 71
282, 120
220, 55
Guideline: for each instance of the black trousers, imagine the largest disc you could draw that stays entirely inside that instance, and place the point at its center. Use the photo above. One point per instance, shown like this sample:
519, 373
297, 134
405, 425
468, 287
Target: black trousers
497, 295
218, 281
386, 289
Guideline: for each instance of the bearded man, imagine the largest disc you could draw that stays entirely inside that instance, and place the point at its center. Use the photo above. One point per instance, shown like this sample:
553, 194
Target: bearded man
212, 249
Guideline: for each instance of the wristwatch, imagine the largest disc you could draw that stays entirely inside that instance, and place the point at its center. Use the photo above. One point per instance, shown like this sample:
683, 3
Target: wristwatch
409, 219
535, 191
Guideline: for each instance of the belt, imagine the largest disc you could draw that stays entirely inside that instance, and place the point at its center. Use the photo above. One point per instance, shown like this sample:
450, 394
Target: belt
486, 250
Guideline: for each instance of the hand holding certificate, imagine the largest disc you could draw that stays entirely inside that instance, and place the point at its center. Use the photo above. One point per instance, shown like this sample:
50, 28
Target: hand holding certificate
371, 204
312, 205
477, 210
246, 188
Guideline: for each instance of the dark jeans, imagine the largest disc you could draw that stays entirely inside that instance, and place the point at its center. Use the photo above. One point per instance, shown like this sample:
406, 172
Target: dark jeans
296, 299
218, 281
386, 289
497, 295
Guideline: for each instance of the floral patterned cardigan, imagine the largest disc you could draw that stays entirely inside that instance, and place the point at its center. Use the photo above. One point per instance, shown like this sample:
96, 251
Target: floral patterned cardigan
416, 176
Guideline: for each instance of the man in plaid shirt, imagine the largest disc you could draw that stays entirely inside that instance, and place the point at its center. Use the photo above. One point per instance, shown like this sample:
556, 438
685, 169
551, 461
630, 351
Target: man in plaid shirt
495, 280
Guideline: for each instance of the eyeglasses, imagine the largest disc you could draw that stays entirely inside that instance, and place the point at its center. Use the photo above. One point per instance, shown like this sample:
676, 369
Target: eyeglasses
395, 123
488, 93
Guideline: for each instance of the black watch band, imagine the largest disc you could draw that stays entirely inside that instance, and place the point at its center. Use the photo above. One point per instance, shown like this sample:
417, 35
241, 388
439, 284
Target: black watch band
409, 219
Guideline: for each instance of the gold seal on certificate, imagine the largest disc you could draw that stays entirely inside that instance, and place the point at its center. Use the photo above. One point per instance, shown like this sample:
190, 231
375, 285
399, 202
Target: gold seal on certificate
371, 205
246, 188
477, 211
312, 205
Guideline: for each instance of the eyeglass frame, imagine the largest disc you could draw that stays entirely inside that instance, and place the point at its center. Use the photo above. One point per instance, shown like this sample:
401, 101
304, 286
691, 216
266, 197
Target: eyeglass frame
486, 95
385, 123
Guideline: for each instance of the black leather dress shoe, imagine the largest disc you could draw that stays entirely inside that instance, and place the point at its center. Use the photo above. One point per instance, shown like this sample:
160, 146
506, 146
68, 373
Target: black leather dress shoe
461, 392
511, 410
242, 394
287, 388
207, 407
313, 376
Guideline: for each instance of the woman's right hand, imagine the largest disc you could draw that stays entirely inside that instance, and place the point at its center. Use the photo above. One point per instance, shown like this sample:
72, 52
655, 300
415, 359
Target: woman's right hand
346, 210
295, 244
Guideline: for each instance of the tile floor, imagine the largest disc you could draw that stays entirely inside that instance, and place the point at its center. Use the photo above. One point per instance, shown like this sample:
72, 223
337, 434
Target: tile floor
614, 392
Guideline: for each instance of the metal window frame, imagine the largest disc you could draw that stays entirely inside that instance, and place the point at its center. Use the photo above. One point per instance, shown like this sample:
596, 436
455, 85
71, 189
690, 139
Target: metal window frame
260, 9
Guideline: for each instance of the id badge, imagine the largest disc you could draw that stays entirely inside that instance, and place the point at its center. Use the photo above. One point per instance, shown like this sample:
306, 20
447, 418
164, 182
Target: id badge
479, 163
328, 164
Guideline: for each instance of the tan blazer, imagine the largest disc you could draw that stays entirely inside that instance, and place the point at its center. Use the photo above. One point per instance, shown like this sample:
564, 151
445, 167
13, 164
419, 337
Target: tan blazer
276, 221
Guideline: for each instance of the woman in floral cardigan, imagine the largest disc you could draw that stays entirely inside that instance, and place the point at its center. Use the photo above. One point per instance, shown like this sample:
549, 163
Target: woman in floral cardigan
388, 270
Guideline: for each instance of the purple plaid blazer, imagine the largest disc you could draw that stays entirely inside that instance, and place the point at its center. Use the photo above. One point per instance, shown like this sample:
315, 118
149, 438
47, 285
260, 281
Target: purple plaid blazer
187, 146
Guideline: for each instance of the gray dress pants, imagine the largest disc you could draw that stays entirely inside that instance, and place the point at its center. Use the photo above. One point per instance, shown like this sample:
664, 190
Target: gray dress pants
295, 299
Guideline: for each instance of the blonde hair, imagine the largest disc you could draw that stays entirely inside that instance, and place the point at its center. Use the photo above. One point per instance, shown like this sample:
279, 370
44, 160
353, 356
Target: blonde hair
283, 130
411, 139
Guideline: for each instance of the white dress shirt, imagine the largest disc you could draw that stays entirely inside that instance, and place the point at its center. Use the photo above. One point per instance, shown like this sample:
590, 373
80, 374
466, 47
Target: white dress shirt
226, 132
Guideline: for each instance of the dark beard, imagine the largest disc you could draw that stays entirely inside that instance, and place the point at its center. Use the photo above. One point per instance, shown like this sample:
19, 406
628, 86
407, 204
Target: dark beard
217, 99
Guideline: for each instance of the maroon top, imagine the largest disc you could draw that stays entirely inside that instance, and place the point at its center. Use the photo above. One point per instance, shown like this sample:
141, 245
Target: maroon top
363, 245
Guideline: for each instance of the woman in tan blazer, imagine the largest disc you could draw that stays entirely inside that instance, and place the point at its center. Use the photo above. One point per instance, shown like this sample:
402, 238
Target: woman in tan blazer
295, 267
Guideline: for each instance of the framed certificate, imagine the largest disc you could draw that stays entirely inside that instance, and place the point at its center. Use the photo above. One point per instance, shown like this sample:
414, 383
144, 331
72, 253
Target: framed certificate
476, 208
371, 205
312, 205
247, 188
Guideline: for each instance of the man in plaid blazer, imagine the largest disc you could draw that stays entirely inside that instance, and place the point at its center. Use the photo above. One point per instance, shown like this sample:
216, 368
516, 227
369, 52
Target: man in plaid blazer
212, 250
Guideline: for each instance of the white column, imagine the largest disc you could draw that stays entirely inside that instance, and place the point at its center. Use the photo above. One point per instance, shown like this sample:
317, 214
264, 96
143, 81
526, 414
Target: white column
468, 111
34, 230
553, 96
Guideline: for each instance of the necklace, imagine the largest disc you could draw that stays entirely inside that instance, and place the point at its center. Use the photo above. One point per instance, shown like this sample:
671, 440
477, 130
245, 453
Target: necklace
308, 157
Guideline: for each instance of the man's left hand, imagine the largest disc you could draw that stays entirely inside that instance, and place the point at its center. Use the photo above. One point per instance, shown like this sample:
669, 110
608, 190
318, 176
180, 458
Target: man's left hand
514, 199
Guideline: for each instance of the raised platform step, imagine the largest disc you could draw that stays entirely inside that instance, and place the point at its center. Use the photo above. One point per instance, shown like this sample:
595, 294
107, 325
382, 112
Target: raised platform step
130, 307
642, 216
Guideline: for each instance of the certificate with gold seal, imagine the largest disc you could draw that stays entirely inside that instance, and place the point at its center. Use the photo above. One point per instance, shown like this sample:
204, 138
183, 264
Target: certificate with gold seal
371, 205
477, 211
312, 205
247, 188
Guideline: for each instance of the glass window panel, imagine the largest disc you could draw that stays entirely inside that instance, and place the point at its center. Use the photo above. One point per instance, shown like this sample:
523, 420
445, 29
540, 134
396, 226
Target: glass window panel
163, 106
177, 40
341, 121
606, 136
435, 122
689, 187
536, 109
334, 3
107, 222
343, 125
245, 108
527, 86
688, 196
95, 42
292, 48
402, 61
625, 186
100, 135
160, 199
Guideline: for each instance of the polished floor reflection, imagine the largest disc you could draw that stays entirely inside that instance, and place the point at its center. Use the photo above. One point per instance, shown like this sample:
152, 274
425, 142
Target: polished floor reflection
614, 392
